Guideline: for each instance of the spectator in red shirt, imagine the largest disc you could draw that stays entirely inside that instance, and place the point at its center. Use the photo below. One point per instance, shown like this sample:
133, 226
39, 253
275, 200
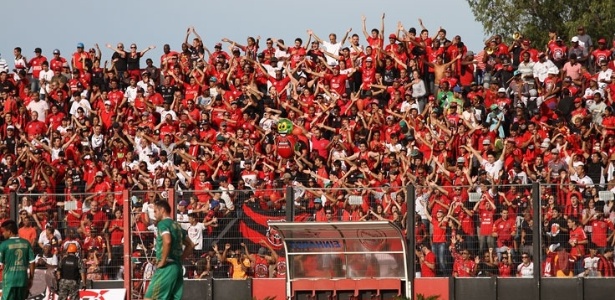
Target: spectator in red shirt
504, 231
464, 267
577, 242
96, 217
427, 260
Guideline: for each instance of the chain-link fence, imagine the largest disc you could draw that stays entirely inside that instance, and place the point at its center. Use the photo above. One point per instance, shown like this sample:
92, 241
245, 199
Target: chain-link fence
91, 221
560, 230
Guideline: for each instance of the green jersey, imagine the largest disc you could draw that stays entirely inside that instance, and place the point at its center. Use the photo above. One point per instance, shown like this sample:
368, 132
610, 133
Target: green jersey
16, 254
168, 226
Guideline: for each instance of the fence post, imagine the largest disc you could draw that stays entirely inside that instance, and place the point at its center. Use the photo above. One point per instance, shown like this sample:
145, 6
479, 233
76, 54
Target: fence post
537, 236
290, 204
172, 202
410, 223
13, 206
127, 244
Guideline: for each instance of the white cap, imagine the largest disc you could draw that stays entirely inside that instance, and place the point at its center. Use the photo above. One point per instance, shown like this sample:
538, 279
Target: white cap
574, 39
107, 102
501, 90
578, 164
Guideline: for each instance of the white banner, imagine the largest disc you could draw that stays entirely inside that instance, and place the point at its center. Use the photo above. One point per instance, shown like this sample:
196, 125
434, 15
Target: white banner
91, 294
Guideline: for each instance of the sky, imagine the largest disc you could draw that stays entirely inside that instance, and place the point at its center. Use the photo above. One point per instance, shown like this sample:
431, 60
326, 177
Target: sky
63, 24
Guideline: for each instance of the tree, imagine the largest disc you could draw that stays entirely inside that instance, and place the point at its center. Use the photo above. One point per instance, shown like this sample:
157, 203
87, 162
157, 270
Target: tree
533, 18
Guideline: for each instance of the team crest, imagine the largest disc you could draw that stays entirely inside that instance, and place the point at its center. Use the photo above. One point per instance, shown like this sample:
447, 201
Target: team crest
273, 236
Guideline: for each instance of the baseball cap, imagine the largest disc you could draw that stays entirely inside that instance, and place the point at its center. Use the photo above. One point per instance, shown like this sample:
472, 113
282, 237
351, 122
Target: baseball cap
56, 51
601, 41
501, 90
183, 203
574, 39
368, 59
392, 36
99, 174
80, 45
38, 50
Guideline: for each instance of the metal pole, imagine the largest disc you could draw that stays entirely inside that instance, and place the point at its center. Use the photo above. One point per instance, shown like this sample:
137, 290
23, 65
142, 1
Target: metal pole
290, 204
410, 224
127, 244
13, 206
172, 202
537, 236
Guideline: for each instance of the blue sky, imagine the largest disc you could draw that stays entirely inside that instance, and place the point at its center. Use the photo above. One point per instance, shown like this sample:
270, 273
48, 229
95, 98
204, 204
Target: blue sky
62, 24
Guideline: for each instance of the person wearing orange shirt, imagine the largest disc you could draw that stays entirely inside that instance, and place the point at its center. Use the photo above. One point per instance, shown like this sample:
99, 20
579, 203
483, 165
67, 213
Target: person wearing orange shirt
27, 232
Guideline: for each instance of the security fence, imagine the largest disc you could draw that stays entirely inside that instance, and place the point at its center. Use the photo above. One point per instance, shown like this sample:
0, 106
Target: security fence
460, 231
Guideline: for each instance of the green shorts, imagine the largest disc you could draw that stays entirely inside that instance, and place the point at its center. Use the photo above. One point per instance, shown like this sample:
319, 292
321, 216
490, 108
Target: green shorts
167, 283
15, 293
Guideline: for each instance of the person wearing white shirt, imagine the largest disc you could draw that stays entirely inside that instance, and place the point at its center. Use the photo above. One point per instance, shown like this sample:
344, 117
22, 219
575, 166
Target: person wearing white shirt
526, 267
4, 66
580, 176
604, 76
131, 91
79, 102
45, 77
332, 46
491, 165
542, 67
165, 111
408, 104
281, 53
228, 190
39, 106
152, 163
145, 82
526, 68
590, 262
394, 146
355, 47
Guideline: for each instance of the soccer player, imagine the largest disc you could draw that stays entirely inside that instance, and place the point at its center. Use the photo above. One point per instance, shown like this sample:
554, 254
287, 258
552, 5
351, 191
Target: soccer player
168, 281
16, 256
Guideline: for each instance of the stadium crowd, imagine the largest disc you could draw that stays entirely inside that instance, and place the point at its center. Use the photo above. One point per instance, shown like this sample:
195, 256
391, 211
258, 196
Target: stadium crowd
371, 112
